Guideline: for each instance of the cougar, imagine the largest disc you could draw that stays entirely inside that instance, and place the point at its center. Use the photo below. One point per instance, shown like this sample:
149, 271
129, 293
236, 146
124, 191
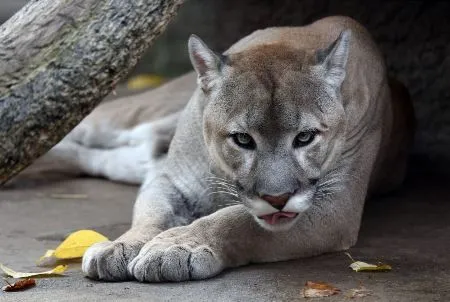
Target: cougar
265, 153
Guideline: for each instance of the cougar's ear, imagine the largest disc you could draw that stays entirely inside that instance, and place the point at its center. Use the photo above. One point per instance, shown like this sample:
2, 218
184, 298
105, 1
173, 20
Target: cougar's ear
206, 63
333, 59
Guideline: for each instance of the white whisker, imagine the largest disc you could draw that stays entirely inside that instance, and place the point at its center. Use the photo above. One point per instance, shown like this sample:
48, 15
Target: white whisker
215, 177
219, 188
223, 192
224, 185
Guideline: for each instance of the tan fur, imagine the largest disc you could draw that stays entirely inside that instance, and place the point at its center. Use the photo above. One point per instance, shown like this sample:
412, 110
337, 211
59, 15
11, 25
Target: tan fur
271, 86
128, 112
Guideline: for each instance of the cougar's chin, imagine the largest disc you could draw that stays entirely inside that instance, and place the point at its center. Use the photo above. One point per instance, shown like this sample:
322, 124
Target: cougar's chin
274, 219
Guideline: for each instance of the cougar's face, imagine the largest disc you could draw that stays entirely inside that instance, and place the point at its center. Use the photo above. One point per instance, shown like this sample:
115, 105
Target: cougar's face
274, 125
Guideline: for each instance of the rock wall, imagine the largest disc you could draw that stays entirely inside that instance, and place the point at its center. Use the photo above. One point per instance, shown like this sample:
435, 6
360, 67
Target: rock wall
413, 35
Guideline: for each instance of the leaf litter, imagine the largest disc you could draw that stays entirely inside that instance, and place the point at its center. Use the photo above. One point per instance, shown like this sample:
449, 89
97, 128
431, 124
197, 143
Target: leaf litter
359, 266
59, 270
314, 289
19, 285
71, 249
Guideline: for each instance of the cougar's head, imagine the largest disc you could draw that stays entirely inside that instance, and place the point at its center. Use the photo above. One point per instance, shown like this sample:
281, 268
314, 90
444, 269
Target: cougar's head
273, 122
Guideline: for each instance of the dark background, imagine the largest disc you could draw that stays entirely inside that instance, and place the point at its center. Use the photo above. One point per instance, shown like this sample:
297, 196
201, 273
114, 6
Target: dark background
413, 35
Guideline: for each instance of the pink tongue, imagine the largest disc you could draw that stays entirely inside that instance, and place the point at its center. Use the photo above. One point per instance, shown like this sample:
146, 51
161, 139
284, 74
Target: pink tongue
273, 218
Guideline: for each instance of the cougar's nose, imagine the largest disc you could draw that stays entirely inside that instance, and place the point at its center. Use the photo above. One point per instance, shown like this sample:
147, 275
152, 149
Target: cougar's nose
278, 202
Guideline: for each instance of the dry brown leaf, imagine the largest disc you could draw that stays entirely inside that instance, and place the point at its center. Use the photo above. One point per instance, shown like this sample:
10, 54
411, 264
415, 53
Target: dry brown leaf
360, 292
19, 285
319, 289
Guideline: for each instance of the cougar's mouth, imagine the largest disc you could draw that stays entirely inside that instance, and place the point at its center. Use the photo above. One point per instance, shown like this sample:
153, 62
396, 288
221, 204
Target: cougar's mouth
278, 217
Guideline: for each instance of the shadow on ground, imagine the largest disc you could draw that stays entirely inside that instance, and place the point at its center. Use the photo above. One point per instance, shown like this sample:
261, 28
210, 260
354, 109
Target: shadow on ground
409, 230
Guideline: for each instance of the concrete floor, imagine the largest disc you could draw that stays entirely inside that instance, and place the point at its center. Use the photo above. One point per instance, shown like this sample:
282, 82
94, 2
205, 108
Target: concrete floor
409, 230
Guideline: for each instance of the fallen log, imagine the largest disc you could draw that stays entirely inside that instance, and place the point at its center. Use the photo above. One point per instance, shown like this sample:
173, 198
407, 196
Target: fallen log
59, 59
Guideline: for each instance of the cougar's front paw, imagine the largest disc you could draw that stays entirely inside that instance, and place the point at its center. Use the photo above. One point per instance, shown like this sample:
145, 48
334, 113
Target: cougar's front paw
175, 258
108, 260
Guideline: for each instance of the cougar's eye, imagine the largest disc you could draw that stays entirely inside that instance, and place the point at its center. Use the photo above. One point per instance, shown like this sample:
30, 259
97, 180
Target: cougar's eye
304, 138
243, 140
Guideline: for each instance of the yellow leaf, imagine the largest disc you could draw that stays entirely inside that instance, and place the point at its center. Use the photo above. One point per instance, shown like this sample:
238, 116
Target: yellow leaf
144, 81
48, 259
359, 266
76, 244
59, 270
48, 253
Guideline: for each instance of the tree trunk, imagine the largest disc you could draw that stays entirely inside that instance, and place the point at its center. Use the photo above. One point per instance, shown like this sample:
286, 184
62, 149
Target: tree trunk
59, 59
